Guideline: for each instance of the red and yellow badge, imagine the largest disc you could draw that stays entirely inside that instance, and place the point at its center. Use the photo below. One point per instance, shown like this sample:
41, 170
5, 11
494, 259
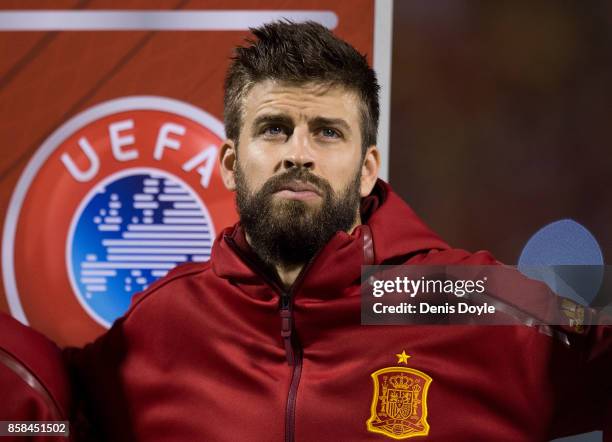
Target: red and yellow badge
399, 404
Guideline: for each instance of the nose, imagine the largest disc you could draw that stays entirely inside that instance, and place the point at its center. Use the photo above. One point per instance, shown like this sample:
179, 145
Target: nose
299, 153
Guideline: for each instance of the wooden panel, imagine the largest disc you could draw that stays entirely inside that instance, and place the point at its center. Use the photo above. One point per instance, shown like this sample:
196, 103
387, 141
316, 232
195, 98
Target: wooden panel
48, 77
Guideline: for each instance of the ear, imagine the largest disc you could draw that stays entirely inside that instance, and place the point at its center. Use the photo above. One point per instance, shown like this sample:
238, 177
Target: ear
228, 163
369, 170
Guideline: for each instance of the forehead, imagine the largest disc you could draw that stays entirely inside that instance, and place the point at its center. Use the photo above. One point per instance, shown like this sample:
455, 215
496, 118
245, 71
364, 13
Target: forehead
302, 101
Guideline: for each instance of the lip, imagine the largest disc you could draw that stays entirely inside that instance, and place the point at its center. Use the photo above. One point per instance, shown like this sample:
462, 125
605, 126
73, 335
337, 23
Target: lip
298, 190
299, 186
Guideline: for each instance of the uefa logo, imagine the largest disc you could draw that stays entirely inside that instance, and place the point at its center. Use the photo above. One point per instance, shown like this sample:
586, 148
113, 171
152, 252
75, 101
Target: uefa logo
112, 201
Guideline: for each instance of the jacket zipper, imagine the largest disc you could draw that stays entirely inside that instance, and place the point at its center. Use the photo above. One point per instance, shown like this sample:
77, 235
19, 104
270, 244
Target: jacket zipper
286, 315
293, 351
293, 347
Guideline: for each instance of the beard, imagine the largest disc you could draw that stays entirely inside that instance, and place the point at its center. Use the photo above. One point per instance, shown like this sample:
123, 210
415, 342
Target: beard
290, 232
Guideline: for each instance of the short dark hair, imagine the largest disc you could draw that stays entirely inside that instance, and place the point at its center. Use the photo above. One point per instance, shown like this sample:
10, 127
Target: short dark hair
300, 53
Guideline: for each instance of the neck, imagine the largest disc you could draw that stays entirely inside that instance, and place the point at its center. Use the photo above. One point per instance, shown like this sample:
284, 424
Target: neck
287, 274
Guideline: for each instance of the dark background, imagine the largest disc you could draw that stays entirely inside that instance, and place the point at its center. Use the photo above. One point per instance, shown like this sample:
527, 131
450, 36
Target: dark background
501, 118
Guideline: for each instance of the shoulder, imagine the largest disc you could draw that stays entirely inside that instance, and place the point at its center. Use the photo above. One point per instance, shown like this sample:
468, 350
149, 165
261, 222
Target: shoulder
453, 256
173, 287
521, 299
152, 314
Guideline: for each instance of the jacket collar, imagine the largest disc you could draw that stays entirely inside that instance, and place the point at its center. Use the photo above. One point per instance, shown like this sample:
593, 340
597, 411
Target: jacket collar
391, 233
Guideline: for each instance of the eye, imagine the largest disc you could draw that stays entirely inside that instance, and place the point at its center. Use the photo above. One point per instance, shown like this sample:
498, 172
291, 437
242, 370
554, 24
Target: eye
274, 131
328, 132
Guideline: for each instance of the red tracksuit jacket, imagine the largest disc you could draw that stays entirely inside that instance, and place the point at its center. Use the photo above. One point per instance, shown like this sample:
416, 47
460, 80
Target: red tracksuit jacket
202, 355
33, 381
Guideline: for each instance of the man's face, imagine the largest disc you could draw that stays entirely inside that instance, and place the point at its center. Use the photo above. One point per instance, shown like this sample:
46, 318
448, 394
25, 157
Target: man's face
298, 168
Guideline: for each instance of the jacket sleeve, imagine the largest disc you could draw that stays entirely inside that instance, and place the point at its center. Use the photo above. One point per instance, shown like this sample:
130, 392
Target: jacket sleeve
95, 376
99, 371
33, 381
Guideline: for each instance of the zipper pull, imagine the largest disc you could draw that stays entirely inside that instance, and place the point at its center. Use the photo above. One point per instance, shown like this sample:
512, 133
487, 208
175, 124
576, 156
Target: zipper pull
287, 327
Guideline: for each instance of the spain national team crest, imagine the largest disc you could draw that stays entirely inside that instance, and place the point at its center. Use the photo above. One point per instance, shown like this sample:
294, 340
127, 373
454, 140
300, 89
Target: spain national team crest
112, 201
399, 404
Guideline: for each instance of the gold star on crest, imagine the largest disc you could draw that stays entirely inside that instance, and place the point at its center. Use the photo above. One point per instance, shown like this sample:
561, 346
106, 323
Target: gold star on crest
402, 357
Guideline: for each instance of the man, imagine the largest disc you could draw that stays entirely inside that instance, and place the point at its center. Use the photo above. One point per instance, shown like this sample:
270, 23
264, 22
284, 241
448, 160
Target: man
264, 342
